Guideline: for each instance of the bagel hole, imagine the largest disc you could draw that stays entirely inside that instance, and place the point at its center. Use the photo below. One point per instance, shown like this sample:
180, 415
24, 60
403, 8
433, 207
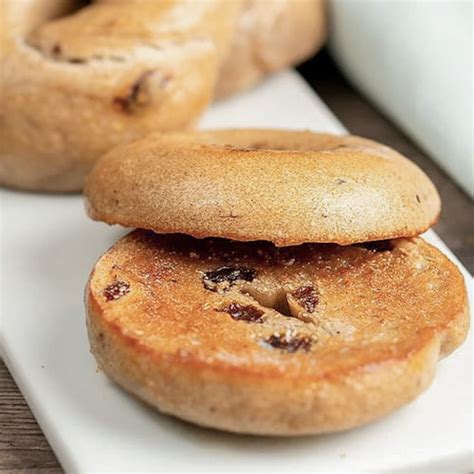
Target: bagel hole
70, 7
269, 297
75, 5
58, 10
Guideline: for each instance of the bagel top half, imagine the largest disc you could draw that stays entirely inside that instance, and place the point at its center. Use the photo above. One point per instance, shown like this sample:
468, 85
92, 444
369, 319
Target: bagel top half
287, 187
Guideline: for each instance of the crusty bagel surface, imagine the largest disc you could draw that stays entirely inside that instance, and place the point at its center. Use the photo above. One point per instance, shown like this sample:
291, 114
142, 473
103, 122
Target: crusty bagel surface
251, 338
75, 84
287, 187
270, 36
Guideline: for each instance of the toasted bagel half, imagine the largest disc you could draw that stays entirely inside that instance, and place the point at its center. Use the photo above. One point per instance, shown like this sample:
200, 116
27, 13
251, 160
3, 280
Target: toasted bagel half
250, 338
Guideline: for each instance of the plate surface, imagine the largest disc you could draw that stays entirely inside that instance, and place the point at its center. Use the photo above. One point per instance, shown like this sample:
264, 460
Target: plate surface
48, 247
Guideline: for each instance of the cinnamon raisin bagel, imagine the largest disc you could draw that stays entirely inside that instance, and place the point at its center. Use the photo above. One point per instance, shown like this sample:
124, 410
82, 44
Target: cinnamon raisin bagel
270, 36
286, 187
250, 338
75, 84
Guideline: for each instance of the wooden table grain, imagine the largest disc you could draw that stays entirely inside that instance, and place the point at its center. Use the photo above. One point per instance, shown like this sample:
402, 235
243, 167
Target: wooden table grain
22, 444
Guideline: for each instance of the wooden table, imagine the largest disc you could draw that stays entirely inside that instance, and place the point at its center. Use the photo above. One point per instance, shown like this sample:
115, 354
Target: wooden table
22, 444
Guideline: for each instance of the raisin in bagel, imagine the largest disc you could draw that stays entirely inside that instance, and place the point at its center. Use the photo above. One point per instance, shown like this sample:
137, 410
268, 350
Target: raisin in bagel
271, 36
252, 338
75, 84
282, 186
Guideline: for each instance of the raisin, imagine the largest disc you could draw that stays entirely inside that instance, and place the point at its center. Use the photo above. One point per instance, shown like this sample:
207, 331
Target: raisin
56, 50
76, 60
247, 313
228, 275
138, 95
289, 343
378, 246
116, 290
307, 297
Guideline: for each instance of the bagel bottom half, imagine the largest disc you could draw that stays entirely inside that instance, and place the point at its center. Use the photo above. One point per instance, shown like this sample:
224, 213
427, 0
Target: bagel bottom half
251, 338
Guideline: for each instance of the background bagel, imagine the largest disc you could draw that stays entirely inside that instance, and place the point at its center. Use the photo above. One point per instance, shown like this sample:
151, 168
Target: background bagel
74, 87
271, 36
287, 187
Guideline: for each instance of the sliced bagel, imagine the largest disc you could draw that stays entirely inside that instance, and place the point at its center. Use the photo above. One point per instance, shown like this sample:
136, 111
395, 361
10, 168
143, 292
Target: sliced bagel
251, 338
287, 187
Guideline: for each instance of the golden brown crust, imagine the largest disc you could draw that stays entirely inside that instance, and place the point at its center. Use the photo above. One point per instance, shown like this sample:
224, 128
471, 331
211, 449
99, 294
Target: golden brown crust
271, 36
206, 344
283, 186
76, 86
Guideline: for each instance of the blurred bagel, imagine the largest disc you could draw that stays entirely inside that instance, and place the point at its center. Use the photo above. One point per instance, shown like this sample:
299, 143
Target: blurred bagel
77, 83
270, 36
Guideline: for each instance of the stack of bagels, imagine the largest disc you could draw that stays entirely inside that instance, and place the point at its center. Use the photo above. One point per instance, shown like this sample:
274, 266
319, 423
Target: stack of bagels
78, 77
276, 284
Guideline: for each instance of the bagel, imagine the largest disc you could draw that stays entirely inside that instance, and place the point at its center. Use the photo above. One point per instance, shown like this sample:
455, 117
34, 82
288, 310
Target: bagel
76, 84
271, 36
286, 187
250, 338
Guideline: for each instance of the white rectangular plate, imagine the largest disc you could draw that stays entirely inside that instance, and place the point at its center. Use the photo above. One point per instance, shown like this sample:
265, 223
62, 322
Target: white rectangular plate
48, 247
